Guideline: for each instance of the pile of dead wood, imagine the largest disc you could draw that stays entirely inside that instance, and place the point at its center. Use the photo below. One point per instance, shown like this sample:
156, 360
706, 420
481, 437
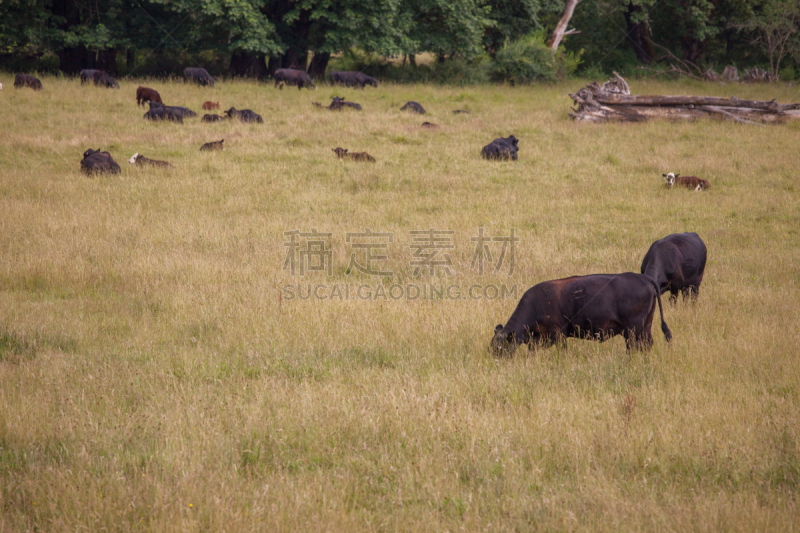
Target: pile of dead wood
613, 101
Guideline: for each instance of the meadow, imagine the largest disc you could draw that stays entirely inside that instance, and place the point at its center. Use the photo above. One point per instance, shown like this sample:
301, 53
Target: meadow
155, 374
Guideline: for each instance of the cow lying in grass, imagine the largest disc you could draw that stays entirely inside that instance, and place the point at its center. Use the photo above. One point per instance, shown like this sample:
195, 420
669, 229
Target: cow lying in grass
245, 115
349, 78
210, 105
216, 145
212, 118
414, 107
139, 159
95, 161
595, 307
690, 182
342, 153
501, 149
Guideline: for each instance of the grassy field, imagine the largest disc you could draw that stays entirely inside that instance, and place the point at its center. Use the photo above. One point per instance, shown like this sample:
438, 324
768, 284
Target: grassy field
155, 375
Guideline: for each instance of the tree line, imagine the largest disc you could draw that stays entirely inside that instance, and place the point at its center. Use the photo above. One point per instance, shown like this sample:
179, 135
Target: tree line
255, 37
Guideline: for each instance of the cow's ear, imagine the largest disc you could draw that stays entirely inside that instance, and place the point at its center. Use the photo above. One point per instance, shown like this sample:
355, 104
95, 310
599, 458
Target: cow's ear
498, 328
664, 175
676, 175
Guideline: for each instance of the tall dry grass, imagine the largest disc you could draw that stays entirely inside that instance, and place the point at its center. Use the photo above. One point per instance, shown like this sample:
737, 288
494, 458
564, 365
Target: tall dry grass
152, 379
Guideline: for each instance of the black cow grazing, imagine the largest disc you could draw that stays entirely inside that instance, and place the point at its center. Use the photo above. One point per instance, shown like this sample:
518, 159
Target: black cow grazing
139, 159
145, 94
501, 149
595, 307
212, 118
413, 106
245, 115
677, 263
352, 78
87, 75
460, 111
95, 161
291, 76
216, 145
106, 81
199, 76
342, 153
24, 80
690, 182
178, 110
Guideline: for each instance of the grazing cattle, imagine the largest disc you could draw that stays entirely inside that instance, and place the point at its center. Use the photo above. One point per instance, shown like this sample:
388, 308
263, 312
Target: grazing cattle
430, 126
160, 112
87, 75
178, 110
95, 161
690, 182
145, 94
342, 153
413, 106
199, 76
349, 78
291, 76
677, 263
212, 118
216, 145
106, 81
24, 80
245, 115
208, 106
139, 159
595, 307
460, 111
501, 149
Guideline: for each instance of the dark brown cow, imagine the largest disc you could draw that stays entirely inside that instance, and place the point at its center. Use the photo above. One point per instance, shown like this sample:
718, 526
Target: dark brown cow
690, 182
595, 307
677, 263
24, 80
291, 76
342, 153
145, 94
413, 106
216, 145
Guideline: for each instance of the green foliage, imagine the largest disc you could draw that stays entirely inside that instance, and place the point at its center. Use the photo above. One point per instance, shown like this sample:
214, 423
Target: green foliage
529, 59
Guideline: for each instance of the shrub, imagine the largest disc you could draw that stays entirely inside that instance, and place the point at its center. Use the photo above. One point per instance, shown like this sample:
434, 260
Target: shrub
529, 59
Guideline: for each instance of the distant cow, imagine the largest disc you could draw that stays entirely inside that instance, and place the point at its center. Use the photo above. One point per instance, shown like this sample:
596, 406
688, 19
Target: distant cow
145, 94
95, 161
460, 111
430, 126
212, 118
87, 75
24, 80
349, 78
178, 110
413, 106
245, 115
139, 159
595, 307
199, 76
208, 106
338, 103
342, 153
99, 77
501, 149
291, 76
216, 145
160, 112
677, 263
690, 182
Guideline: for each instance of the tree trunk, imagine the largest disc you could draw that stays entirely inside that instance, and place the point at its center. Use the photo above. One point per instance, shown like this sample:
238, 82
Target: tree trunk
561, 27
639, 36
107, 60
319, 63
247, 64
412, 60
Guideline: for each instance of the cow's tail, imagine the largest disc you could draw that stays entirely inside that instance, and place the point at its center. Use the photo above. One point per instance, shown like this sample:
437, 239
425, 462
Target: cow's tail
664, 327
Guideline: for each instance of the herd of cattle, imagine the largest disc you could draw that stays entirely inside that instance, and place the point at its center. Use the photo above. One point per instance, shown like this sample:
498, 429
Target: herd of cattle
598, 306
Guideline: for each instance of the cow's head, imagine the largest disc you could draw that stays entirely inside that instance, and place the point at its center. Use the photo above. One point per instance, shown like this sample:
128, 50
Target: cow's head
89, 152
230, 112
133, 159
513, 140
670, 179
340, 152
504, 343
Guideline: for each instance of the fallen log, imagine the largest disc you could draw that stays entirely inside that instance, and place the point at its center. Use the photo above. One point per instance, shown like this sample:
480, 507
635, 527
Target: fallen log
596, 104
